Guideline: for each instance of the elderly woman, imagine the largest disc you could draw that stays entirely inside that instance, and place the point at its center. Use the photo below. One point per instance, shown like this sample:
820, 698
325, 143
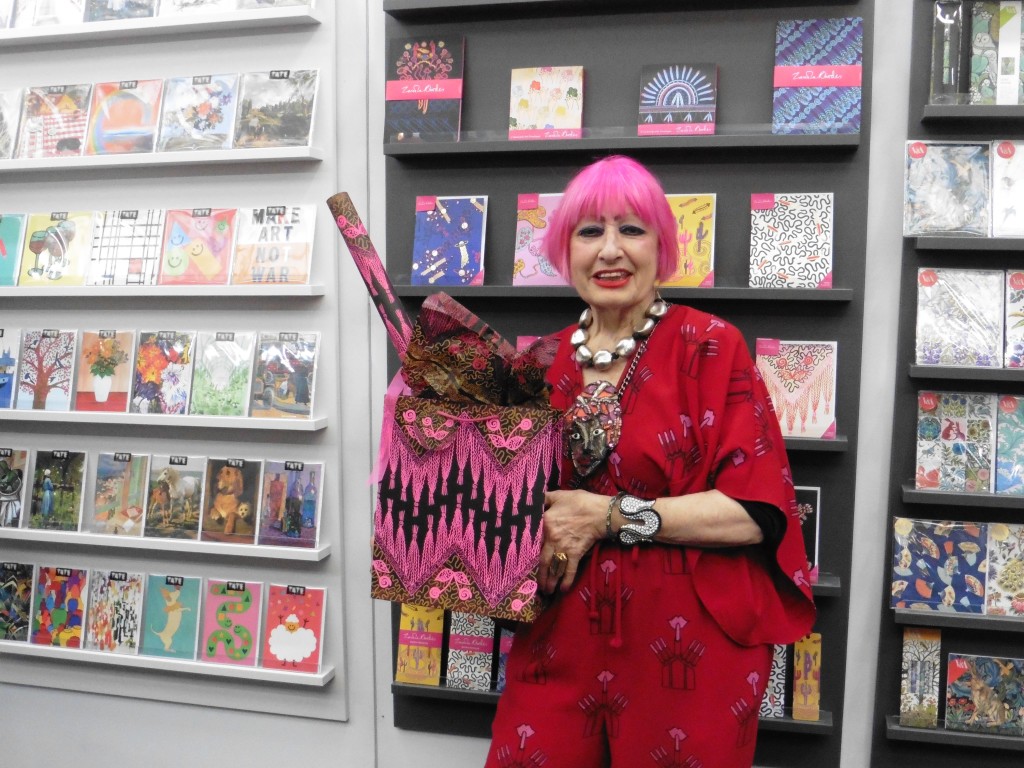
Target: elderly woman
672, 554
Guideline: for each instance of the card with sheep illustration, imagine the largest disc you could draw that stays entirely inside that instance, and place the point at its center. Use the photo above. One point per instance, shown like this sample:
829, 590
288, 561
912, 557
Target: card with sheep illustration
294, 634
170, 616
230, 631
232, 498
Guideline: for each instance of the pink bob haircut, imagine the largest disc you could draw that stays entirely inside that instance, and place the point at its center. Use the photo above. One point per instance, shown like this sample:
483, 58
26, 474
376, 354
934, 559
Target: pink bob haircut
613, 185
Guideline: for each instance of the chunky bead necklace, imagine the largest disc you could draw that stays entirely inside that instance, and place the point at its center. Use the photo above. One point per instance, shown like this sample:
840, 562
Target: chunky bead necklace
602, 360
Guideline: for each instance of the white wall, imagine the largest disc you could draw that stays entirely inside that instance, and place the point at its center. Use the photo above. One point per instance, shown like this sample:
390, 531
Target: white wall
111, 730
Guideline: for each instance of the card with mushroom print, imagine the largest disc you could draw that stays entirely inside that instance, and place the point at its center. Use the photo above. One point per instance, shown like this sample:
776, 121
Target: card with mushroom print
939, 565
293, 637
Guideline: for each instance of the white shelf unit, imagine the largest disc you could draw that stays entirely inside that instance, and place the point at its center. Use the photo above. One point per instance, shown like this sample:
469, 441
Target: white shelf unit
314, 424
162, 291
173, 159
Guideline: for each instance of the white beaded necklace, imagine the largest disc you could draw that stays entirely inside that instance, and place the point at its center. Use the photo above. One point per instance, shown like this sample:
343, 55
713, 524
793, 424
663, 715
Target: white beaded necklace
602, 360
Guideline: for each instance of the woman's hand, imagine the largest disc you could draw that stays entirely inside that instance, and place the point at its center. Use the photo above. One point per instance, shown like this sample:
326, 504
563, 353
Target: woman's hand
573, 521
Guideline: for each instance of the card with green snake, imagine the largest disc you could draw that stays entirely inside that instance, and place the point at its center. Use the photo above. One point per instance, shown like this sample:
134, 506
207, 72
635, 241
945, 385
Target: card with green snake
231, 622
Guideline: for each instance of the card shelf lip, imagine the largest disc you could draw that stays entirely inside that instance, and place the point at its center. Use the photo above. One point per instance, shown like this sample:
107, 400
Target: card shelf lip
912, 495
723, 293
827, 585
839, 444
314, 424
255, 155
81, 655
131, 30
219, 549
409, 8
968, 112
965, 373
950, 620
163, 291
967, 243
939, 735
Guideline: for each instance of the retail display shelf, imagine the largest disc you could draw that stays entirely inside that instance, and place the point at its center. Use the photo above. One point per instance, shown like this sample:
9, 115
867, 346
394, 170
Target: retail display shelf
410, 8
893, 730
966, 374
717, 293
967, 243
827, 585
63, 655
162, 291
597, 139
130, 30
212, 548
982, 113
840, 444
912, 495
166, 420
970, 621
174, 159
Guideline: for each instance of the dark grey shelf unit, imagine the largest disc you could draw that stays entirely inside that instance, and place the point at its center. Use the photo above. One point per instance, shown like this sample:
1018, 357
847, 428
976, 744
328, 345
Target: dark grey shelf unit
908, 616
733, 33
894, 746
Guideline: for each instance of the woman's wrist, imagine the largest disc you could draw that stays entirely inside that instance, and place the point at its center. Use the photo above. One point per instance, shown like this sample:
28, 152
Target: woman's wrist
613, 505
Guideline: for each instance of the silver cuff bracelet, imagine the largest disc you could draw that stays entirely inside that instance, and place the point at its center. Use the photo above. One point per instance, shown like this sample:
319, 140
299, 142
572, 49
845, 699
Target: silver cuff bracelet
643, 522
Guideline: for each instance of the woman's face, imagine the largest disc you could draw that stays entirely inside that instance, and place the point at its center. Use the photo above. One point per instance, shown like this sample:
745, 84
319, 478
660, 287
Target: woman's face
613, 261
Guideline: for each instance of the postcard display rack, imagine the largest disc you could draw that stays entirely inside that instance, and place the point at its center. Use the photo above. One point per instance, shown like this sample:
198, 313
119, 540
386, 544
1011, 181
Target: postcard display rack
300, 36
979, 634
741, 158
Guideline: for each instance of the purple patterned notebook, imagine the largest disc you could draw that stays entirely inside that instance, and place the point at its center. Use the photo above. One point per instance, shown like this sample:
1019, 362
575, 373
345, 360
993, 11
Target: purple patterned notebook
818, 65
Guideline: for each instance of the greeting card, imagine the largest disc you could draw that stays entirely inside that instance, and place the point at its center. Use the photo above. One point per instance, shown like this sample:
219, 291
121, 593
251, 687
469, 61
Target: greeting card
104, 375
423, 91
448, 241
985, 694
960, 317
946, 188
1010, 445
695, 232
56, 249
1013, 356
677, 99
231, 622
119, 496
171, 616
546, 103
533, 218
939, 566
791, 240
293, 640
801, 380
420, 631
919, 677
1004, 579
956, 441
470, 649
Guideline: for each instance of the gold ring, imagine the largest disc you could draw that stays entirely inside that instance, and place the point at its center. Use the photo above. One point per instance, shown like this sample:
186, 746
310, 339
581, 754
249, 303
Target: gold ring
558, 563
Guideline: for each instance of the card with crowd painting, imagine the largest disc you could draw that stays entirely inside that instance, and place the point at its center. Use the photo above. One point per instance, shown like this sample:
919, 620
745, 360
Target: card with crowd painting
223, 373
231, 500
14, 480
59, 603
170, 618
293, 637
114, 623
290, 503
162, 379
58, 485
15, 600
174, 503
119, 495
10, 349
939, 566
284, 375
230, 631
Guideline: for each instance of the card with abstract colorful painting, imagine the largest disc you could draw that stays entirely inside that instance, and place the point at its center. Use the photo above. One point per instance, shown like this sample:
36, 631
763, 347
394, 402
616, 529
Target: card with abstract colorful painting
53, 121
58, 490
534, 215
56, 249
126, 247
14, 479
198, 113
15, 600
114, 623
985, 694
197, 246
232, 500
678, 99
59, 606
162, 379
791, 240
960, 317
939, 566
546, 103
276, 108
175, 499
170, 618
230, 632
223, 373
124, 117
448, 240
801, 380
1010, 445
290, 503
695, 232
1004, 579
273, 245
293, 638
423, 91
10, 348
119, 496
956, 441
104, 375
284, 375
46, 370
919, 678
10, 113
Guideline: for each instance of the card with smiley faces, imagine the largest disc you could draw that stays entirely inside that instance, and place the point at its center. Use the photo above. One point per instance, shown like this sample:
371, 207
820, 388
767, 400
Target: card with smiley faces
197, 246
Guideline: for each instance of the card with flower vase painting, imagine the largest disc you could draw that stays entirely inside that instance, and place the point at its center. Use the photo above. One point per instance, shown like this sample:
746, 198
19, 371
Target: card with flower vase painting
293, 636
423, 91
276, 108
960, 317
53, 121
1004, 579
284, 375
273, 245
170, 618
546, 103
223, 373
119, 495
791, 240
162, 379
290, 503
46, 370
10, 114
939, 566
231, 504
126, 247
14, 480
175, 498
956, 441
114, 623
1009, 469
124, 117
198, 113
470, 652
946, 189
104, 375
58, 490
533, 217
10, 349
15, 600
678, 99
1014, 326
12, 230
919, 678
695, 233
59, 606
197, 246
448, 240
801, 380
56, 249
985, 694
230, 632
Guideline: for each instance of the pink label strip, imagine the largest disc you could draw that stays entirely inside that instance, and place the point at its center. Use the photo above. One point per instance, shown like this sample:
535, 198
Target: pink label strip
818, 76
419, 639
407, 90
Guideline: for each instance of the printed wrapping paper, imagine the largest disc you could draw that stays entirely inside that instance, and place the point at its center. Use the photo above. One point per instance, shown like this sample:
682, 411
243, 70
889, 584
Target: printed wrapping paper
960, 317
939, 565
946, 189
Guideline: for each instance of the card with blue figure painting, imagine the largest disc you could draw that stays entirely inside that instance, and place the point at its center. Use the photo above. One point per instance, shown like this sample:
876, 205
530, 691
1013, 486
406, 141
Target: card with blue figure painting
59, 605
10, 349
448, 240
1004, 579
14, 480
534, 215
197, 246
960, 317
114, 622
939, 566
58, 490
678, 99
119, 495
1009, 470
198, 113
223, 373
15, 600
116, 10
46, 370
947, 189
293, 637
170, 616
230, 630
290, 503
124, 117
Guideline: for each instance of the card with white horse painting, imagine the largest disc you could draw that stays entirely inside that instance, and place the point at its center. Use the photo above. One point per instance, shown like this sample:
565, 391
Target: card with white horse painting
175, 499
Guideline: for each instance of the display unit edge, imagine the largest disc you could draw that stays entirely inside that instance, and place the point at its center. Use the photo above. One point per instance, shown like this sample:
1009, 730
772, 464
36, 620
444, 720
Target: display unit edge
967, 243
965, 374
840, 444
314, 424
981, 113
895, 731
315, 290
178, 666
839, 295
969, 621
401, 9
827, 585
912, 495
130, 30
160, 159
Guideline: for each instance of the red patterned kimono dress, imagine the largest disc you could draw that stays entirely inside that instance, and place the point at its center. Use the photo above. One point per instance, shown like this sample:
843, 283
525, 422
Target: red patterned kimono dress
660, 655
